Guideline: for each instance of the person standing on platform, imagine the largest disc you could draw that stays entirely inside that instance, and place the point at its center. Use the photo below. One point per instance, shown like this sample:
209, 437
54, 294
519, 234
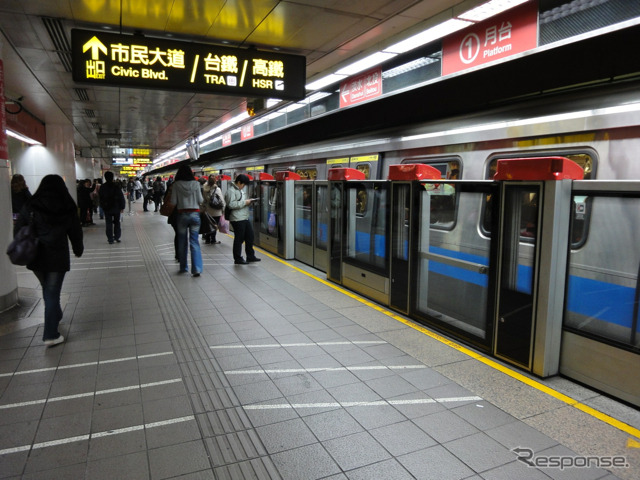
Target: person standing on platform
186, 195
211, 189
113, 203
20, 195
55, 218
236, 199
158, 193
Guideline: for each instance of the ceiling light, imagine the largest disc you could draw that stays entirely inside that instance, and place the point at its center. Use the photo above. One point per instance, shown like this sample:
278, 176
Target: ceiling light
325, 81
429, 35
22, 138
489, 9
407, 67
365, 63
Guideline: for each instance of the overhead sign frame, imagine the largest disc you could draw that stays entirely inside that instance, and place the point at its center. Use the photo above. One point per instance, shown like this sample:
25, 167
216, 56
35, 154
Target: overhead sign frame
145, 62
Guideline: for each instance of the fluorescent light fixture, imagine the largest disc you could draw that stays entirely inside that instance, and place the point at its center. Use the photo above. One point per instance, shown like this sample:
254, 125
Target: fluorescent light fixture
489, 9
171, 153
324, 81
317, 96
365, 63
225, 125
295, 106
429, 35
272, 102
22, 138
407, 67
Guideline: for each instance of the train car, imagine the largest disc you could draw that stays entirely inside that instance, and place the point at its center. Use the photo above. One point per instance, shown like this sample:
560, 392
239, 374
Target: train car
597, 129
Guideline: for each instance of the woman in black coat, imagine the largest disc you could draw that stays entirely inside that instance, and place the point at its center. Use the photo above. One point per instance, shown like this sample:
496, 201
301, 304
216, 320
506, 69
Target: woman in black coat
55, 218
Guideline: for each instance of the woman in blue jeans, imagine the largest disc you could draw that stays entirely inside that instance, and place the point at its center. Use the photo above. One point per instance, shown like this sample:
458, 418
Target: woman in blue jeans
55, 217
186, 195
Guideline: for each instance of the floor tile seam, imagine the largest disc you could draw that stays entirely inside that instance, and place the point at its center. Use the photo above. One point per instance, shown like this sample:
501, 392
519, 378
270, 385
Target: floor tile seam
158, 272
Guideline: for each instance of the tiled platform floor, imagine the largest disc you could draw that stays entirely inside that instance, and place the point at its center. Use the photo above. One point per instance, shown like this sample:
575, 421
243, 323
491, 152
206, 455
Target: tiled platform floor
263, 371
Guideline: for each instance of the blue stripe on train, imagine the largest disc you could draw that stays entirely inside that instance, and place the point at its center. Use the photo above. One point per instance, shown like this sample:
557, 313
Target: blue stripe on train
591, 298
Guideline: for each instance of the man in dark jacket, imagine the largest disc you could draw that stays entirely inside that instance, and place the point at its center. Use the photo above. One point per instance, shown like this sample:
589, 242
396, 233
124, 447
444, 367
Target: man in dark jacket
113, 204
55, 218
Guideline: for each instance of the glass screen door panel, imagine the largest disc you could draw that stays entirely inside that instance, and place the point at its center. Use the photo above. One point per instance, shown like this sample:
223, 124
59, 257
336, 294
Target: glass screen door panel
516, 292
452, 265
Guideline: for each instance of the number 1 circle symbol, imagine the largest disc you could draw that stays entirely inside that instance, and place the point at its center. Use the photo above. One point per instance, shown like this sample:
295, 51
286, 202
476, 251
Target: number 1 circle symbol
469, 48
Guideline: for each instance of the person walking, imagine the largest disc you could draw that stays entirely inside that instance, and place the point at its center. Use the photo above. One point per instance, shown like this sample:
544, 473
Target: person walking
158, 193
212, 190
55, 218
20, 195
236, 199
186, 195
113, 203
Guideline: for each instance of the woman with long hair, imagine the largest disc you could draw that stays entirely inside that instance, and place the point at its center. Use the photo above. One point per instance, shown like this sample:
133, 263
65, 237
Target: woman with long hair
186, 195
54, 215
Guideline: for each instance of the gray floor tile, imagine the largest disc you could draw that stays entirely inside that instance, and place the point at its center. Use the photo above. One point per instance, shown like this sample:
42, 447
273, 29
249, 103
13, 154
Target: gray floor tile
355, 451
445, 426
332, 424
435, 463
176, 460
402, 438
480, 452
388, 469
307, 462
285, 435
483, 415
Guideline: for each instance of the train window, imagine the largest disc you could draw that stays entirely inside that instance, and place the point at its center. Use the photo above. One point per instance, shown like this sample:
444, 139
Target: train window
307, 173
443, 196
366, 230
366, 169
581, 205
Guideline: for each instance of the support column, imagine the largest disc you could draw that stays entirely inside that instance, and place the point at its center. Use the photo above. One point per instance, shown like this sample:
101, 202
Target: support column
9, 284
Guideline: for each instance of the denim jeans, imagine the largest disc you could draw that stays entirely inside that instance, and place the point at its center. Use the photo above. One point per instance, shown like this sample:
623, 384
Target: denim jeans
51, 283
189, 229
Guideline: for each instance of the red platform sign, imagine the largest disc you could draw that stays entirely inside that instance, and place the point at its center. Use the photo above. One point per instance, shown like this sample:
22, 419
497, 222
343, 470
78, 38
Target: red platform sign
511, 32
246, 131
361, 88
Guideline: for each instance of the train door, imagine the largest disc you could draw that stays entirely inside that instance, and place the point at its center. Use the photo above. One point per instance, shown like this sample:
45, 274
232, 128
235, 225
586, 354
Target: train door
338, 178
520, 218
404, 221
321, 219
275, 218
311, 223
532, 260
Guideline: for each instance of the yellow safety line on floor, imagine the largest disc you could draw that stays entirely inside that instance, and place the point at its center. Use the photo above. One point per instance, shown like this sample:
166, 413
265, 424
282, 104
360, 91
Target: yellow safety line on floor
475, 355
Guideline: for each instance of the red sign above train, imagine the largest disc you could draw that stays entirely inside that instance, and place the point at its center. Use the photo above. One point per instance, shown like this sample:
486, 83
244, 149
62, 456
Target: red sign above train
145, 62
511, 32
360, 88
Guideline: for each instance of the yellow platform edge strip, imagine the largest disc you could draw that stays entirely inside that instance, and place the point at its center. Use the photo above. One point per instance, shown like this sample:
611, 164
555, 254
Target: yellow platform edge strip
475, 355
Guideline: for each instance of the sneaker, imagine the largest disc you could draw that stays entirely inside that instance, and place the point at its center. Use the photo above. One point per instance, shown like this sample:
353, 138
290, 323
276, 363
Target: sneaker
182, 271
217, 242
118, 240
254, 259
240, 262
111, 242
54, 341
196, 274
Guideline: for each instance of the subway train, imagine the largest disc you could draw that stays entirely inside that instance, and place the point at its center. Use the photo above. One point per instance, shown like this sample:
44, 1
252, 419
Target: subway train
428, 247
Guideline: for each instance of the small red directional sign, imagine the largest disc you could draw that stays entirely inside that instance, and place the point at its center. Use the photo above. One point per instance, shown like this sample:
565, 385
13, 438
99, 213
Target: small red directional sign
363, 87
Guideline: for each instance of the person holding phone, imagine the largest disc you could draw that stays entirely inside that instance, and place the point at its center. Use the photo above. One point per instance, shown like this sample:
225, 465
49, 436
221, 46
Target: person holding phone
236, 200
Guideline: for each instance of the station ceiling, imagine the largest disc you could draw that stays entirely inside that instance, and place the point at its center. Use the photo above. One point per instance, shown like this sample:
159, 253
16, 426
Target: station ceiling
36, 38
